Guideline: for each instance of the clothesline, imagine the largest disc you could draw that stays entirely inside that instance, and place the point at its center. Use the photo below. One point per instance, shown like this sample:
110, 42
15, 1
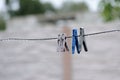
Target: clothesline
42, 39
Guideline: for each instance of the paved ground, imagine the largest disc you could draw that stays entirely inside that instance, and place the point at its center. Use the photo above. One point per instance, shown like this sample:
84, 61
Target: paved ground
38, 60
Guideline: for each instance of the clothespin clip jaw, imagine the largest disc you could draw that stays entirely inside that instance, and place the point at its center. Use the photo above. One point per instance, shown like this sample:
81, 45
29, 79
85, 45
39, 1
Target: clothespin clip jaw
75, 32
65, 42
75, 42
82, 40
62, 43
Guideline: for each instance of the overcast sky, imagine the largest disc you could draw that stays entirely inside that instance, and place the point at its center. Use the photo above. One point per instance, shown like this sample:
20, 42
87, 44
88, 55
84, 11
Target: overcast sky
1, 4
93, 4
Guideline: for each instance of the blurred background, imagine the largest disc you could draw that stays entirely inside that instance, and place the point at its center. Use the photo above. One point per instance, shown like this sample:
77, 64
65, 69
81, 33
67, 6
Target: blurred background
38, 60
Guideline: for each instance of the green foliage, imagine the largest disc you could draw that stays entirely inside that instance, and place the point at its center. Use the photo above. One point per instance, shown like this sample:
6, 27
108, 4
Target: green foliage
107, 12
7, 2
2, 24
72, 6
110, 9
29, 7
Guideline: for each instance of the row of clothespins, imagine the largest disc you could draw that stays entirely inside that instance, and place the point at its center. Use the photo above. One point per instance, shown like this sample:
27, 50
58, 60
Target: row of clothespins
76, 43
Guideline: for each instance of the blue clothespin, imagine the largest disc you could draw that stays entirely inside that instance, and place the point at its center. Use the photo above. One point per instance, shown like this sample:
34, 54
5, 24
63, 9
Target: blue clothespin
82, 40
75, 42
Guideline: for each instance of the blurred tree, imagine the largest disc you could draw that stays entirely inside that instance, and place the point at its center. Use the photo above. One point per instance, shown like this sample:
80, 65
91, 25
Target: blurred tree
110, 9
2, 24
26, 7
49, 7
29, 7
8, 3
72, 6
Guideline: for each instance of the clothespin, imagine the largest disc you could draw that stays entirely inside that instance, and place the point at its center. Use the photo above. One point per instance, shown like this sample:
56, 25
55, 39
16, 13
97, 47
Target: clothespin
82, 40
62, 43
75, 42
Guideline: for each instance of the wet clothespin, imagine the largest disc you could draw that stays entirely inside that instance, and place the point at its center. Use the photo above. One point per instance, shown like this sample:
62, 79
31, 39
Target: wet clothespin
82, 40
75, 42
62, 43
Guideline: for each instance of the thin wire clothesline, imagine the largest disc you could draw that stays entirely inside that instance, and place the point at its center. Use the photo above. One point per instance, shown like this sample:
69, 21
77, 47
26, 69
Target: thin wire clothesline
43, 39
